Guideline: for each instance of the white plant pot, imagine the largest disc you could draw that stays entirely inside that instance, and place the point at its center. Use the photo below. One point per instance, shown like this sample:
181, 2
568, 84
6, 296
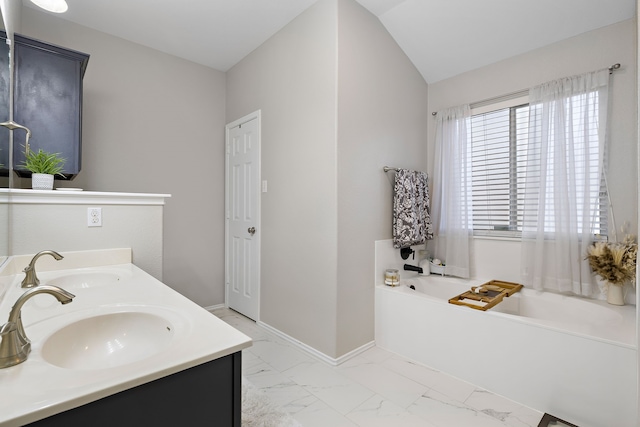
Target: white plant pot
42, 181
615, 294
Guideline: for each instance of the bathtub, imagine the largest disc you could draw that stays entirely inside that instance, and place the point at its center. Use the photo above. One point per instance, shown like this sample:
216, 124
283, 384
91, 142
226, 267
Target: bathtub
571, 357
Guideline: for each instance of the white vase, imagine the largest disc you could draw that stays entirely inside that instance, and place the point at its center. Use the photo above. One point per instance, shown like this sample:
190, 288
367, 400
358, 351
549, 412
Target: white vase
615, 294
42, 181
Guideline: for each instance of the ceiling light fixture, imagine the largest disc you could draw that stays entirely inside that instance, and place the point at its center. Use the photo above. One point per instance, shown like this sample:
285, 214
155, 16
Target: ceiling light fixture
55, 6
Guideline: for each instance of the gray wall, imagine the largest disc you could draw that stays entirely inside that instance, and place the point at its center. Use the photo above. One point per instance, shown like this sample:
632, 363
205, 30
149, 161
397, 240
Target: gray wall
382, 120
154, 123
339, 100
292, 79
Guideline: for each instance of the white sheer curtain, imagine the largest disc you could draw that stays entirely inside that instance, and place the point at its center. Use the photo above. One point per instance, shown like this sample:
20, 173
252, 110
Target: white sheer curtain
452, 216
565, 160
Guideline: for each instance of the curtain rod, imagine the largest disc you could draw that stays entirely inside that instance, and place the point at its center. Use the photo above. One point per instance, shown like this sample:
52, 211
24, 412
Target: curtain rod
519, 93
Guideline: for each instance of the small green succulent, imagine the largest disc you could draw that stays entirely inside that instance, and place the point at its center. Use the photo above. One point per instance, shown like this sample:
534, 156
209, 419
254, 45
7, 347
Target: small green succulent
43, 162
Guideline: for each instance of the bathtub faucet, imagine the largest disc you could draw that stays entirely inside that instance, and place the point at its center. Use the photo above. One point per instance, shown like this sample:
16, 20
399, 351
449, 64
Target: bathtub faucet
413, 268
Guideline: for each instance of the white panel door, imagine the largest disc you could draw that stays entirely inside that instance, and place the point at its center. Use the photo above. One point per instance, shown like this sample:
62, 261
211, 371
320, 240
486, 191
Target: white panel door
242, 228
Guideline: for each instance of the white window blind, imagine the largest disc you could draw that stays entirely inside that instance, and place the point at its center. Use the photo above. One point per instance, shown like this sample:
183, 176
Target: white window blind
499, 143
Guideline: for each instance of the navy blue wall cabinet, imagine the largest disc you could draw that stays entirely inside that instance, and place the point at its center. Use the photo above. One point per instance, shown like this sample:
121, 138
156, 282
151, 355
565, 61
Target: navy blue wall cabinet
48, 100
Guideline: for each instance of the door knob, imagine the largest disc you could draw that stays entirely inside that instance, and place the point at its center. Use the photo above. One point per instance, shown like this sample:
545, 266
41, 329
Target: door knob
251, 230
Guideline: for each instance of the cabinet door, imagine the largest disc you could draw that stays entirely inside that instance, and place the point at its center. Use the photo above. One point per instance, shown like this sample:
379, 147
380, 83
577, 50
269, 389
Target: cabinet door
48, 100
205, 395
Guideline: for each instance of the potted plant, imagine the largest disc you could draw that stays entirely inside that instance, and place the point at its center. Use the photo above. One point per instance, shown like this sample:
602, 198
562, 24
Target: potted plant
615, 263
43, 166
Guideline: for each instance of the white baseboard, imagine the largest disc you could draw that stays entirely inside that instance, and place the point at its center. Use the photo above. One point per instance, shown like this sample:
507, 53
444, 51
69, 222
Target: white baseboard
304, 347
312, 351
214, 307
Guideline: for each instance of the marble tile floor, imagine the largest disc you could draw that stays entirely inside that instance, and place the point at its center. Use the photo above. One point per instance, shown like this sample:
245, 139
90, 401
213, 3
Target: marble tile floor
375, 388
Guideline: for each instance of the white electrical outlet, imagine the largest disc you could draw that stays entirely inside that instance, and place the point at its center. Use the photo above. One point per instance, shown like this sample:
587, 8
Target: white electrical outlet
94, 217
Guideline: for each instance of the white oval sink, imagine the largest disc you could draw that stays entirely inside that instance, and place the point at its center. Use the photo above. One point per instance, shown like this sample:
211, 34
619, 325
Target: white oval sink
108, 340
84, 280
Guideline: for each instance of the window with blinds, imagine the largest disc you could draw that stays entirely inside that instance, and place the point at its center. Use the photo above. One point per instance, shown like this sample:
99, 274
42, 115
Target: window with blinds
499, 140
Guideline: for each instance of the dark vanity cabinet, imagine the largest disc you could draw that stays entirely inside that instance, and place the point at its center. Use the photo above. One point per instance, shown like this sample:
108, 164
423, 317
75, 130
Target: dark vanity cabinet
204, 395
47, 100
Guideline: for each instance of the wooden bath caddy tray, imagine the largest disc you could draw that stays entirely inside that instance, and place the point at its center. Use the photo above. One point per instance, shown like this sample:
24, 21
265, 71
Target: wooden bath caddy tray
487, 295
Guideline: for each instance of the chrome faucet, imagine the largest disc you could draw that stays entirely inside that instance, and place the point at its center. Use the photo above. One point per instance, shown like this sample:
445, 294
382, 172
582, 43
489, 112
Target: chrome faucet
30, 279
15, 346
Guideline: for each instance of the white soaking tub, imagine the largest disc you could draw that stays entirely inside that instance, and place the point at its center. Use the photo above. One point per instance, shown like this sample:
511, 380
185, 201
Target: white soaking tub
572, 357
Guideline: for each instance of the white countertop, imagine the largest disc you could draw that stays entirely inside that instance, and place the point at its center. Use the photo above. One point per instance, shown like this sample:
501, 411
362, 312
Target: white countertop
36, 389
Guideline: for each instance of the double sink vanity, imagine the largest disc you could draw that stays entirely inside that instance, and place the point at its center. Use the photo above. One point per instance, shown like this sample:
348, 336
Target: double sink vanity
125, 350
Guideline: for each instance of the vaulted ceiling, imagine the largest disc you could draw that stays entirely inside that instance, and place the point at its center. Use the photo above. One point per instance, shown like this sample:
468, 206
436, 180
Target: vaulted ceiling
442, 38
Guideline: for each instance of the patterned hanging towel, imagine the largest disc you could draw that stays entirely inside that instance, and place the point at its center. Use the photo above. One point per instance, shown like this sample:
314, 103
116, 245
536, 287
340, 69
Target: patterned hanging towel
411, 212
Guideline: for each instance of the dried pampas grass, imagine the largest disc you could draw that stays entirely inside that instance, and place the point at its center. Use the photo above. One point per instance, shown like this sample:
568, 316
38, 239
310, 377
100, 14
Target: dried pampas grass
614, 262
